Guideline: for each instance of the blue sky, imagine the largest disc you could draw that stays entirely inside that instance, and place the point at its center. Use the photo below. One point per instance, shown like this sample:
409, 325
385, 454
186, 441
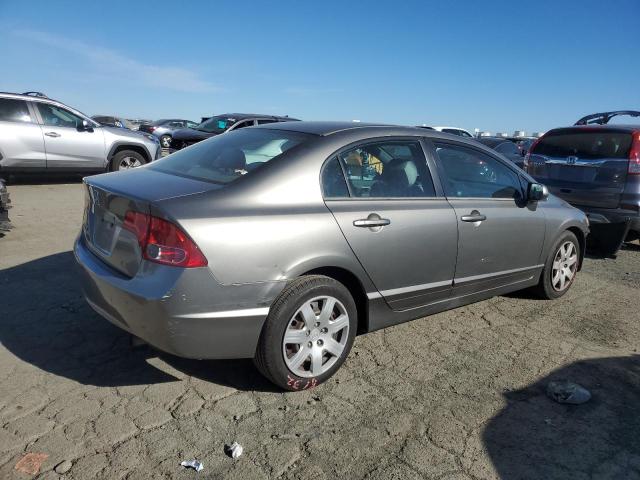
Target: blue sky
494, 65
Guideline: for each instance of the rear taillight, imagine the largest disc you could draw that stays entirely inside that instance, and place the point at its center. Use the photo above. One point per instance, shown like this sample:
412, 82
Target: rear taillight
163, 242
527, 157
634, 155
151, 129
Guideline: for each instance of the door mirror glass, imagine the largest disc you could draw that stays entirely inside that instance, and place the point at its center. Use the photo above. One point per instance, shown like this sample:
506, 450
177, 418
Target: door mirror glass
537, 192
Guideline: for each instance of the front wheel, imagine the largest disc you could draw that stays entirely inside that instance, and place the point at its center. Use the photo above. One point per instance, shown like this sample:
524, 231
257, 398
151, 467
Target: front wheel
560, 268
308, 334
165, 141
125, 160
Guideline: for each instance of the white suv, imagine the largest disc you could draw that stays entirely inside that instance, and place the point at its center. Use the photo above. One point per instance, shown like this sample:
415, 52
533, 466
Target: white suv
38, 134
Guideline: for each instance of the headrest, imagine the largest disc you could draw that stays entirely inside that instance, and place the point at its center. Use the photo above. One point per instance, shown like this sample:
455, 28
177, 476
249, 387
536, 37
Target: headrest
231, 158
398, 167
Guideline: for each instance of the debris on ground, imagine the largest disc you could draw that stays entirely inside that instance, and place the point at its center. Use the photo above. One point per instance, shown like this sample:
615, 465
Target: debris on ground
234, 450
63, 467
563, 391
31, 463
195, 464
5, 223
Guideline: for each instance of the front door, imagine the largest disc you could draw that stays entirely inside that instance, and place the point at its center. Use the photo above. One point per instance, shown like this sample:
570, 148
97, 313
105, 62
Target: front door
401, 232
500, 235
67, 144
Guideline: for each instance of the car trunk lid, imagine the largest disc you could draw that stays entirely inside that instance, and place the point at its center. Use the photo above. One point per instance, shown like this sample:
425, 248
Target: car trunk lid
109, 197
585, 165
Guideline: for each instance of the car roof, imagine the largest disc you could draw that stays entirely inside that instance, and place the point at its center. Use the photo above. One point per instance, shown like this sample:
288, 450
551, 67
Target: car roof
327, 128
242, 116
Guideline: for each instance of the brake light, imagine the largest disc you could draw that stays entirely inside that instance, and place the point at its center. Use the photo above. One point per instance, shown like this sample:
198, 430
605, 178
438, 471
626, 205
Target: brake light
634, 155
151, 129
163, 242
527, 157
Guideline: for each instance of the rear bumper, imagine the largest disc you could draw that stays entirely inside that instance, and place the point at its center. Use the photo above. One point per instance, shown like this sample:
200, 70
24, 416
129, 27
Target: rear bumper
612, 215
185, 312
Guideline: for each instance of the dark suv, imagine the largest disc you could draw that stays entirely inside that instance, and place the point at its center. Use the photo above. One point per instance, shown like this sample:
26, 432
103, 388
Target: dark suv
595, 167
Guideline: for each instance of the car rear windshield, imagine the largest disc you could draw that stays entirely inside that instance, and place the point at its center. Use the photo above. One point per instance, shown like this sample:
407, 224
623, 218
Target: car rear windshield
587, 145
225, 158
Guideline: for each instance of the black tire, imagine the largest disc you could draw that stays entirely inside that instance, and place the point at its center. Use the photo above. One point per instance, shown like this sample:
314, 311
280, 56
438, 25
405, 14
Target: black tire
545, 288
165, 139
269, 358
116, 161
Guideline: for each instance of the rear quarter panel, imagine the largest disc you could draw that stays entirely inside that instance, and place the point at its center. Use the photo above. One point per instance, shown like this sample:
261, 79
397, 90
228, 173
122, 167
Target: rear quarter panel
269, 228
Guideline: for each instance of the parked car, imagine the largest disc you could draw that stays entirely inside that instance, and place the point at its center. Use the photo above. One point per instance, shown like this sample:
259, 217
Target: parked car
524, 144
221, 124
109, 121
40, 134
136, 122
504, 146
164, 129
280, 242
596, 168
5, 205
461, 132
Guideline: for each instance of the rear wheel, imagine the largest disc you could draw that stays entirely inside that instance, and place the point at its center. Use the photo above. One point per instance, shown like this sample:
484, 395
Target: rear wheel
308, 334
560, 268
126, 159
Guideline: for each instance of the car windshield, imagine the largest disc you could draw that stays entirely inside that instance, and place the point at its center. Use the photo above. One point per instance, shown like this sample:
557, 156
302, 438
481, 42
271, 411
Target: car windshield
218, 124
225, 158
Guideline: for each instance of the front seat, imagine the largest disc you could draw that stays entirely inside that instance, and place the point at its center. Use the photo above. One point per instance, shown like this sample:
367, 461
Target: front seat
399, 179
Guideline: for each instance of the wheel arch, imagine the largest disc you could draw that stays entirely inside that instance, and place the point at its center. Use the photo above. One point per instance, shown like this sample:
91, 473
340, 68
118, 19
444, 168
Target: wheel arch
119, 147
582, 242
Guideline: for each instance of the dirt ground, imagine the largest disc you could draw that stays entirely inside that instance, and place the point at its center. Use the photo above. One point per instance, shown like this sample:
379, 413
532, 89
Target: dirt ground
459, 395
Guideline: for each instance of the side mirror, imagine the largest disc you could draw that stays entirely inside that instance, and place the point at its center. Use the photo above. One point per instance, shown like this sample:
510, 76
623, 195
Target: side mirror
537, 192
85, 127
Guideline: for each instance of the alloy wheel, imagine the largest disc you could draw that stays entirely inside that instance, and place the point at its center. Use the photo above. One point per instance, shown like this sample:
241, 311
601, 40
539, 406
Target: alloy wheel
129, 162
166, 141
565, 264
316, 336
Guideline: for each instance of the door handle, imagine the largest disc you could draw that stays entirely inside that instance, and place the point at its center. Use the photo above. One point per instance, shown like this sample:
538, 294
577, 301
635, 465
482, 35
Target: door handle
367, 222
474, 216
52, 134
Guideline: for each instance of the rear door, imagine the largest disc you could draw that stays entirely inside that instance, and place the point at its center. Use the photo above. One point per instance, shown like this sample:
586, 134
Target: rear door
21, 141
68, 146
401, 231
585, 165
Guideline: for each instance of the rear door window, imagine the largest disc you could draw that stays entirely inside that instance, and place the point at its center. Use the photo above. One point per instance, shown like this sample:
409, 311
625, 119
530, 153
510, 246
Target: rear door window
387, 169
334, 184
13, 110
586, 145
469, 173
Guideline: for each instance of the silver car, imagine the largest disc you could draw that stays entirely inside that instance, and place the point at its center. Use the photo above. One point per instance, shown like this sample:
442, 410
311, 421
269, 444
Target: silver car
38, 134
163, 129
281, 242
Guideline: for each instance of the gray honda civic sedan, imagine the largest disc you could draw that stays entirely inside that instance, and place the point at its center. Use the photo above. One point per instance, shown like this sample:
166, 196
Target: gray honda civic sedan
282, 242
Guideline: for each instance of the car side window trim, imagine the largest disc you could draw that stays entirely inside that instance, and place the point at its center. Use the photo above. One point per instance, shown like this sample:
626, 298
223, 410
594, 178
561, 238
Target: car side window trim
375, 140
506, 164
